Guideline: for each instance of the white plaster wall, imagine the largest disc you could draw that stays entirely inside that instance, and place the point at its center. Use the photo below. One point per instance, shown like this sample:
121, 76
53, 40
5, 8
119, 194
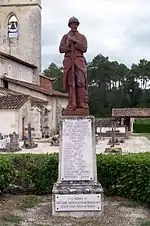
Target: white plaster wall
23, 112
30, 116
53, 102
132, 120
57, 104
16, 71
27, 91
36, 123
28, 45
8, 121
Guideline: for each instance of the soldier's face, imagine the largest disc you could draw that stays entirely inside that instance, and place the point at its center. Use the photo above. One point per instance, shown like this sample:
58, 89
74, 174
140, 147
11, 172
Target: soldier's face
74, 26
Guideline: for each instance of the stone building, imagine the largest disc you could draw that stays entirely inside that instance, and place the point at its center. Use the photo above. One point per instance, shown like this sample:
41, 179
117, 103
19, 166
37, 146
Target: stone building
127, 116
20, 29
23, 90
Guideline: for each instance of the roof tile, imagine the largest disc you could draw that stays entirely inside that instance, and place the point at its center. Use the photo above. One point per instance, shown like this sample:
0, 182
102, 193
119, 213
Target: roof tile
12, 101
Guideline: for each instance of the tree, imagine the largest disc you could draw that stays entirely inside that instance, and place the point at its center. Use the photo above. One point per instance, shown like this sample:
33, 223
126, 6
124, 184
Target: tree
111, 84
53, 71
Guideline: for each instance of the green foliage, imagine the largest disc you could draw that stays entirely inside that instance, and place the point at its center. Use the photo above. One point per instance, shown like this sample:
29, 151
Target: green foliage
124, 175
6, 173
142, 121
37, 172
141, 128
54, 71
111, 84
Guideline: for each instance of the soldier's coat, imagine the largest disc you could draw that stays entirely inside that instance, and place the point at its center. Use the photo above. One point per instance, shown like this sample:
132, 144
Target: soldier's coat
79, 60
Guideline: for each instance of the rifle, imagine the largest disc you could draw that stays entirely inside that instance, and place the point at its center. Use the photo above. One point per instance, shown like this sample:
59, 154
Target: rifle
73, 74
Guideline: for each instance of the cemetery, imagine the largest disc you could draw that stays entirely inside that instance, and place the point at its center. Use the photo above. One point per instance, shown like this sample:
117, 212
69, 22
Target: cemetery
79, 155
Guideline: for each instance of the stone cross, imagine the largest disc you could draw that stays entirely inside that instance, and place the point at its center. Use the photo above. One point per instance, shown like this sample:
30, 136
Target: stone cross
29, 129
113, 133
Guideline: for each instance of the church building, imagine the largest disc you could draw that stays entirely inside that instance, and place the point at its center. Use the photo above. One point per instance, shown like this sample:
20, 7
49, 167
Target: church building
26, 96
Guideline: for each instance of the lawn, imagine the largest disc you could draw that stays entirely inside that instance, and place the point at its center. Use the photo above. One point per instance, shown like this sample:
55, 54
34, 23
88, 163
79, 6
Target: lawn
147, 135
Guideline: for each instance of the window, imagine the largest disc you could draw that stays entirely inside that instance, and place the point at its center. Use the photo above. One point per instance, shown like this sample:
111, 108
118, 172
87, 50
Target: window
20, 74
5, 83
9, 71
12, 27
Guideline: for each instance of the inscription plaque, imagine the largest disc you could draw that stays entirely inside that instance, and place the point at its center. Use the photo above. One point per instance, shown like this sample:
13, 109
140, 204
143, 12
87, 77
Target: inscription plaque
83, 202
77, 153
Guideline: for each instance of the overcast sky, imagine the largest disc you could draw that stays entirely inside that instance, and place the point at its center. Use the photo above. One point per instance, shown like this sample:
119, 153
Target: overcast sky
115, 28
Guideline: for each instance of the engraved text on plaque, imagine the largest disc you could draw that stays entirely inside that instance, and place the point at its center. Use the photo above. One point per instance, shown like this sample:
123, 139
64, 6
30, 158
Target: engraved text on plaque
77, 154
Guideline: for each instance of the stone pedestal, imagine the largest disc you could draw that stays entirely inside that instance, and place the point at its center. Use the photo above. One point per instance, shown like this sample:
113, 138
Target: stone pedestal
76, 112
77, 192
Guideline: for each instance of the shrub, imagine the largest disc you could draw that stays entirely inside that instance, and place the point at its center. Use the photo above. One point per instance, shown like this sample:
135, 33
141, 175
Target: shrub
141, 128
6, 173
36, 172
124, 175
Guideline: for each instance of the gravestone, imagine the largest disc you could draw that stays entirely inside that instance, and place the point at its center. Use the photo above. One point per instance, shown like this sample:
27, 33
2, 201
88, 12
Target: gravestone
10, 143
1, 137
77, 192
14, 142
28, 141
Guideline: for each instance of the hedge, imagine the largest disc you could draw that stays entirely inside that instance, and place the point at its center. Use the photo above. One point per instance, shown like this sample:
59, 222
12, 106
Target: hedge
141, 128
124, 175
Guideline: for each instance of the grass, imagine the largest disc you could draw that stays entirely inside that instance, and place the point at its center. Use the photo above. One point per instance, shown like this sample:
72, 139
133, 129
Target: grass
29, 202
147, 135
10, 204
36, 210
8, 219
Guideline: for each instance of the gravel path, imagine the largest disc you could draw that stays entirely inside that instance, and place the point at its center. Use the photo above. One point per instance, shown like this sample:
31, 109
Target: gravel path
134, 144
116, 213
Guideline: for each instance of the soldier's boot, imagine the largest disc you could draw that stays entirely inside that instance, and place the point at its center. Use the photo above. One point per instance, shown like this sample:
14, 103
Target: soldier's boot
71, 98
81, 97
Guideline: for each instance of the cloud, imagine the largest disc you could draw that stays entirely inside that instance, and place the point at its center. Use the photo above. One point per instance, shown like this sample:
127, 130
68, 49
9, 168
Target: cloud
118, 29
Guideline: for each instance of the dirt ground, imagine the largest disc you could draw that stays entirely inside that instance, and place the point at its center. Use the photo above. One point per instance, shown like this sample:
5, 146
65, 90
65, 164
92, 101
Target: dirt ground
36, 211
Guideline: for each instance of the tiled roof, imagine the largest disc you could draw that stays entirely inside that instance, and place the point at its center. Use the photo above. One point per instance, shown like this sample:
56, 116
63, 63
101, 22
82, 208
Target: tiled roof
12, 101
6, 92
131, 112
35, 87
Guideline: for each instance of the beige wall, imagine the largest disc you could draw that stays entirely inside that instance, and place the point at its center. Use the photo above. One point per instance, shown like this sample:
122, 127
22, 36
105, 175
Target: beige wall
24, 112
8, 121
11, 120
15, 70
27, 46
55, 103
35, 123
27, 91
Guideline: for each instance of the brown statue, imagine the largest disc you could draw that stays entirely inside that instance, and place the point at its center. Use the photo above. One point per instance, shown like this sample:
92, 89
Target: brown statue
74, 45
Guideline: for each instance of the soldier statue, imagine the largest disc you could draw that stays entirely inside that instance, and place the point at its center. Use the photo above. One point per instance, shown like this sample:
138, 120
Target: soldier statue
74, 45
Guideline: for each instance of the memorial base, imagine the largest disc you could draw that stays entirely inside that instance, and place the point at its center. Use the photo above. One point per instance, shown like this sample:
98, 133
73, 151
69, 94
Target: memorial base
77, 199
77, 192
76, 112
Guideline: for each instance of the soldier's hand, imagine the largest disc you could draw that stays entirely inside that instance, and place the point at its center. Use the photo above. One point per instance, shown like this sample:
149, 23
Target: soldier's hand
71, 38
69, 43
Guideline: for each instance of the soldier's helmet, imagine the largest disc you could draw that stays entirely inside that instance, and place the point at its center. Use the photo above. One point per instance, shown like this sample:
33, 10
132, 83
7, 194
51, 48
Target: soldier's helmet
73, 20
